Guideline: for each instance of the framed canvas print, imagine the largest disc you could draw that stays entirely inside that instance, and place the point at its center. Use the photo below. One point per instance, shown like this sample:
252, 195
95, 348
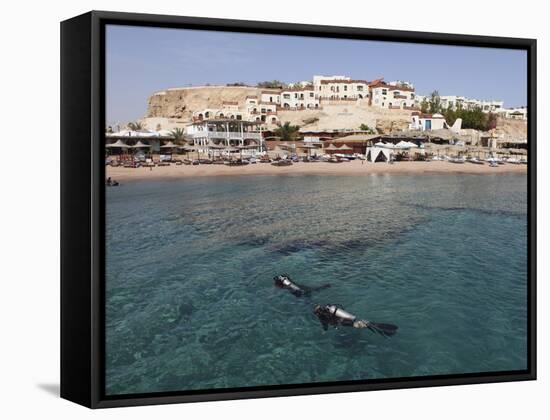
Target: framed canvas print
255, 209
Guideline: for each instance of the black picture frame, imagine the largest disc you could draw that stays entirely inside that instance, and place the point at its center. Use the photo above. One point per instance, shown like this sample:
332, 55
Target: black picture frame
83, 204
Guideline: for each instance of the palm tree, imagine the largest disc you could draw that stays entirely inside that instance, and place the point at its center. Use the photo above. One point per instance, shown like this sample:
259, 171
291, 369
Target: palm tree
178, 135
135, 126
287, 132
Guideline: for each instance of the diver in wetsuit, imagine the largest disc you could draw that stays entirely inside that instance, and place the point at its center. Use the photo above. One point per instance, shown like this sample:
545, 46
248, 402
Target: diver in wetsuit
335, 315
283, 281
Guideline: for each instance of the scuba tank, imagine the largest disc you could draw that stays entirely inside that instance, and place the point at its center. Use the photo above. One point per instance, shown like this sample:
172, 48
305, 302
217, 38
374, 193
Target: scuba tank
340, 313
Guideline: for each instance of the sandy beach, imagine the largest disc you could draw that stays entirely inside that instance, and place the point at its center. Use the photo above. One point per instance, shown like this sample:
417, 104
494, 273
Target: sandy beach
356, 167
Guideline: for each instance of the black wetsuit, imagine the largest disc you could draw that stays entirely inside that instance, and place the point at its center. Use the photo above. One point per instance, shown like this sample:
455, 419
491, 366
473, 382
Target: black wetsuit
284, 282
335, 316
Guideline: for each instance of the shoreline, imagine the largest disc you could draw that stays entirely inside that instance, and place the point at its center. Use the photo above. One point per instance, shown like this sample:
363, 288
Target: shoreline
353, 168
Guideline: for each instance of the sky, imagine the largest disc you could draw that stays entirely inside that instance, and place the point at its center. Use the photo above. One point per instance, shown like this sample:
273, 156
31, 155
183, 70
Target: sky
143, 60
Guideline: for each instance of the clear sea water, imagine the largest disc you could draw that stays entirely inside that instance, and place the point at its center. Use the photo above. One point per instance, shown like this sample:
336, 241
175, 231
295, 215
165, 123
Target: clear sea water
190, 301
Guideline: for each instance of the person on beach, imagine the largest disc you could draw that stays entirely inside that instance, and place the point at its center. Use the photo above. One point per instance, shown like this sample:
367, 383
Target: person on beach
283, 281
335, 316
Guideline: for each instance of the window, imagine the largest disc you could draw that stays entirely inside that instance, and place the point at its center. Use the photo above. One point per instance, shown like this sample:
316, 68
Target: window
286, 96
360, 88
384, 91
412, 96
345, 87
311, 94
271, 99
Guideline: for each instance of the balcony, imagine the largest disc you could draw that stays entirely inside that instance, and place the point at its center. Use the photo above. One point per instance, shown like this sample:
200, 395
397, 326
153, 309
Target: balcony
227, 134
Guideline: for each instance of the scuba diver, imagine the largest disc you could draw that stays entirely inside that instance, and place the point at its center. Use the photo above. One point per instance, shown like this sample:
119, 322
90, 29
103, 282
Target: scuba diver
111, 182
283, 281
335, 315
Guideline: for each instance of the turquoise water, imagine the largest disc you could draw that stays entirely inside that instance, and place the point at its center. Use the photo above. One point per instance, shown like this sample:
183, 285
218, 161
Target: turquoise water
190, 302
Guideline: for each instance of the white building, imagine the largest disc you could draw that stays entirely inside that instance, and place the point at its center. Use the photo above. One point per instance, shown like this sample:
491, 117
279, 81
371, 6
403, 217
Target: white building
427, 122
384, 95
519, 113
211, 135
299, 98
271, 96
340, 88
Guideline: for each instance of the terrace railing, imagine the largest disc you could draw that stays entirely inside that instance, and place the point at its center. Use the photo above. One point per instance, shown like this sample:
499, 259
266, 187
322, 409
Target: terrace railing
225, 134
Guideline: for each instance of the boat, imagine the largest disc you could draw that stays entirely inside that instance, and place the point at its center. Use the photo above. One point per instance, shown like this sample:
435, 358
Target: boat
476, 161
460, 159
334, 159
493, 164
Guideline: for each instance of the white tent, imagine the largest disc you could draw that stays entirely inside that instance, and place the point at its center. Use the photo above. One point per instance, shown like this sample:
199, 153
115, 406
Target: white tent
402, 145
374, 152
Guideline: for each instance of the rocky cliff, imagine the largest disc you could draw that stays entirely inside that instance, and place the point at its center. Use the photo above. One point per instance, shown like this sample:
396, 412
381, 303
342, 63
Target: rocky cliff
181, 103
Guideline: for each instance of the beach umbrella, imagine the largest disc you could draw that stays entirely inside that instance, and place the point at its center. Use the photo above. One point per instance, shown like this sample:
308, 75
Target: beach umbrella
119, 144
169, 145
187, 149
140, 144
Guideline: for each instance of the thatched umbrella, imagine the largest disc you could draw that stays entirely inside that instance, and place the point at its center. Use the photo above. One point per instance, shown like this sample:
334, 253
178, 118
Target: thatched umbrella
140, 144
188, 148
308, 147
213, 146
345, 147
331, 148
118, 144
169, 145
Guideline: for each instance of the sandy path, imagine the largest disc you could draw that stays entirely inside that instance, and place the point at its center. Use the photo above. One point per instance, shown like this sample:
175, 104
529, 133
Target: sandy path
313, 168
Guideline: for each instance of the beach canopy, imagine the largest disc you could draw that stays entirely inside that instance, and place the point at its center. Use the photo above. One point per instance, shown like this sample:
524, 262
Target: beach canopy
119, 143
332, 147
